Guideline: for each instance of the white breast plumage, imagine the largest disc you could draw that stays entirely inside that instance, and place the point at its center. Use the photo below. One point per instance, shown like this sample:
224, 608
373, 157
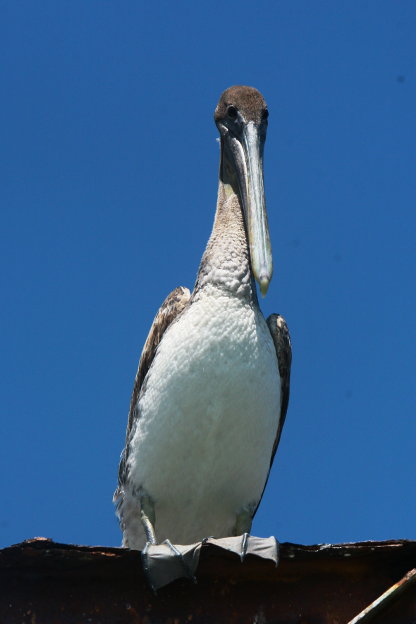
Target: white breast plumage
209, 417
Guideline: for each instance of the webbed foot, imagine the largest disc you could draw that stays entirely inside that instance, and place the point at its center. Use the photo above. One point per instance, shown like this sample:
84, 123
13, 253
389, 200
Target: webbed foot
165, 562
182, 562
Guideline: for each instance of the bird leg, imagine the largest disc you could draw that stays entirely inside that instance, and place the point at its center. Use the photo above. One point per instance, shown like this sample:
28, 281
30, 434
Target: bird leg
160, 560
243, 527
148, 528
147, 516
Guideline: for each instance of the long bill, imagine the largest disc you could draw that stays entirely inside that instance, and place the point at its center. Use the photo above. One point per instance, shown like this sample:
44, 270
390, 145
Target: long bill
247, 156
255, 209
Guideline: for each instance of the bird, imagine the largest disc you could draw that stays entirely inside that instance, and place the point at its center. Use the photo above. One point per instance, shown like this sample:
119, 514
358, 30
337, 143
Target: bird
212, 388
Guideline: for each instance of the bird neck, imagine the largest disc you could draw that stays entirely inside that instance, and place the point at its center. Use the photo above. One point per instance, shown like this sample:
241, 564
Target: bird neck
225, 264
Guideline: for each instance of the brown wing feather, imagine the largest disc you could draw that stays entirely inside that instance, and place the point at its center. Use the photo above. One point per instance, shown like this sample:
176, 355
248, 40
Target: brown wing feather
170, 309
281, 338
172, 306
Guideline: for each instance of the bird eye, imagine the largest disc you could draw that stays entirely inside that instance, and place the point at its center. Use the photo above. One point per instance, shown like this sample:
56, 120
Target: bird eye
232, 112
265, 114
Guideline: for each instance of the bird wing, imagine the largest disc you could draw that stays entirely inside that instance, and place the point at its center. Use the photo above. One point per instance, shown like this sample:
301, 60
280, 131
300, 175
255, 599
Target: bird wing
170, 309
281, 338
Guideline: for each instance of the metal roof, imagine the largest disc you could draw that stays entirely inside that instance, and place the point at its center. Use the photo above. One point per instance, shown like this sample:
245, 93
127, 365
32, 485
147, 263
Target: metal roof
42, 581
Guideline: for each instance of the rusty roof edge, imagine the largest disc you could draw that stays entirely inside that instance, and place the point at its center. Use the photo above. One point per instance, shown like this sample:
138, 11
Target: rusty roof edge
325, 582
288, 550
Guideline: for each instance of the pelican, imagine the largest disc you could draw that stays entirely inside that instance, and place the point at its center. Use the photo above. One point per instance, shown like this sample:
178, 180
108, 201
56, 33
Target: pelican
212, 387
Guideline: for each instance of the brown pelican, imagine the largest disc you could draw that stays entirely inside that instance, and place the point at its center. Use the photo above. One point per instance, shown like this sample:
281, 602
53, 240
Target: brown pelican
212, 387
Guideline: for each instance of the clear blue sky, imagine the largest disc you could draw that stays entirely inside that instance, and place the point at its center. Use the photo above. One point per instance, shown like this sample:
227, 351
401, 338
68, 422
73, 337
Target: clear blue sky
108, 185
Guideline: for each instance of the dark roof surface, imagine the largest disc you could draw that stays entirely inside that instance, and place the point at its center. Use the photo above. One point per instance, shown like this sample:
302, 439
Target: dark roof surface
42, 581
